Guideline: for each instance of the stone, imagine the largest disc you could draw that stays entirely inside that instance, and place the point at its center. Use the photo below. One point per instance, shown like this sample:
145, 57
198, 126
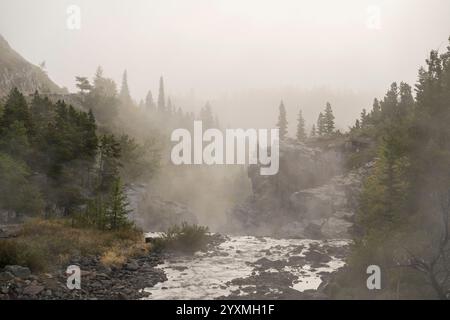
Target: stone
132, 265
33, 290
19, 271
6, 276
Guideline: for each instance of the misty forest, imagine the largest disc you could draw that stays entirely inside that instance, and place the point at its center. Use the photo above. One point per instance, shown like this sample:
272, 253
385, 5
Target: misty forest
86, 179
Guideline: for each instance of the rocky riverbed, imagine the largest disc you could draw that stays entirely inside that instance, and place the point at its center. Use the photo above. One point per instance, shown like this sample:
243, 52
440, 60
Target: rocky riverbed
97, 281
232, 267
248, 267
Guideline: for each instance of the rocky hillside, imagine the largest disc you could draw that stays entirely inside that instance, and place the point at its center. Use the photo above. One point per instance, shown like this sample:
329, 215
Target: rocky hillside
15, 71
310, 197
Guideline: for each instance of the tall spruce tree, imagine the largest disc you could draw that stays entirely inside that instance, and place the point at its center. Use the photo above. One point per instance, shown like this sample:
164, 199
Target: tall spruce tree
282, 123
117, 211
320, 125
328, 119
363, 117
161, 97
125, 96
149, 103
301, 133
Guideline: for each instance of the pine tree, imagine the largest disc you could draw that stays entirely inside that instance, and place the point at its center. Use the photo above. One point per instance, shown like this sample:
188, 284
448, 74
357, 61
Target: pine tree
321, 125
328, 119
103, 87
110, 153
161, 97
83, 84
117, 211
363, 117
301, 134
282, 123
41, 111
16, 109
125, 96
98, 78
149, 103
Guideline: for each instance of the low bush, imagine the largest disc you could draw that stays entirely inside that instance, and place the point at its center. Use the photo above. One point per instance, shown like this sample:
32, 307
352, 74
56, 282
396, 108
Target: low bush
183, 238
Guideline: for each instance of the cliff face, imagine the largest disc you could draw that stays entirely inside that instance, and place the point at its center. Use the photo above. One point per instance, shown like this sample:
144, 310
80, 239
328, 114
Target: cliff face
15, 71
310, 197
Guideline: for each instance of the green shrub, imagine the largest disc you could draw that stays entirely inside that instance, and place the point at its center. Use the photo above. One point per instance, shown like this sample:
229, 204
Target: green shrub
185, 238
16, 253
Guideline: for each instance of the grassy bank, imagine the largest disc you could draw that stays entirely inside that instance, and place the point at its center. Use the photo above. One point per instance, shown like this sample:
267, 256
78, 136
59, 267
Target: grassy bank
45, 245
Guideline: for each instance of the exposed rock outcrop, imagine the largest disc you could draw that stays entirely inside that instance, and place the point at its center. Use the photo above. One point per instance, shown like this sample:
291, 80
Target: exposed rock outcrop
310, 197
15, 71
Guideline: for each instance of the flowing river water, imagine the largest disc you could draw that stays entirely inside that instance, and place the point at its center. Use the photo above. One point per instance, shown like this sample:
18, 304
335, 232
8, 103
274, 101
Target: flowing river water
246, 267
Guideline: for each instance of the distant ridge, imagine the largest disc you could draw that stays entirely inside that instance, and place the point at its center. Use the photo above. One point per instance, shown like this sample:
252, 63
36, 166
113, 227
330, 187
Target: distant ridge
15, 71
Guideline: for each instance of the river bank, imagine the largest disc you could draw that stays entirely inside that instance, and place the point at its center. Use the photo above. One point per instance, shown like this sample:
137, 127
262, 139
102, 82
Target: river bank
97, 281
236, 267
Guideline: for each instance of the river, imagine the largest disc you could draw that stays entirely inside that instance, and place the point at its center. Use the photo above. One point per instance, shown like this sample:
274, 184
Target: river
248, 267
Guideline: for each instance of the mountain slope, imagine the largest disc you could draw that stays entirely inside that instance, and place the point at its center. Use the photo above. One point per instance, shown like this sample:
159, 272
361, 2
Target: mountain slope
15, 71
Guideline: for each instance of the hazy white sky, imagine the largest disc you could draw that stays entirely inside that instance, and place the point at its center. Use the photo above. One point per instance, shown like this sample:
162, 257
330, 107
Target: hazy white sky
216, 47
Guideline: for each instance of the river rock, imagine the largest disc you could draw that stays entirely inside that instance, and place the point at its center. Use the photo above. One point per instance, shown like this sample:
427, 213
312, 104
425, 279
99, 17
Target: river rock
18, 271
6, 276
33, 290
132, 265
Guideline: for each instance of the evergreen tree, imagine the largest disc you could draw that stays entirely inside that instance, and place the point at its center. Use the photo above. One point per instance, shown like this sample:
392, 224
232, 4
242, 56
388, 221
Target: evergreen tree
103, 87
363, 117
149, 103
328, 119
161, 97
16, 110
301, 134
83, 84
110, 153
282, 123
321, 125
117, 211
125, 96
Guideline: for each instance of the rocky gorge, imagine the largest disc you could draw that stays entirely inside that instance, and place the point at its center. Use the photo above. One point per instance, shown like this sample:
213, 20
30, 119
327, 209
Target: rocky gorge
312, 197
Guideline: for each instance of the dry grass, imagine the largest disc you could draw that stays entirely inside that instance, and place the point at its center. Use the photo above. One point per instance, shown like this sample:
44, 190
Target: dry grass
46, 244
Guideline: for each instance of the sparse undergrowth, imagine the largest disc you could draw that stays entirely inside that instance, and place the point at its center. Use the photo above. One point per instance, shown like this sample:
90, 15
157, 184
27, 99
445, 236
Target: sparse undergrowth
183, 238
43, 245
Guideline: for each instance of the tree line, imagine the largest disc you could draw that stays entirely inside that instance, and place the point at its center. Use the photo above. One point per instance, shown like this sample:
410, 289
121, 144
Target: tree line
325, 125
54, 161
402, 224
